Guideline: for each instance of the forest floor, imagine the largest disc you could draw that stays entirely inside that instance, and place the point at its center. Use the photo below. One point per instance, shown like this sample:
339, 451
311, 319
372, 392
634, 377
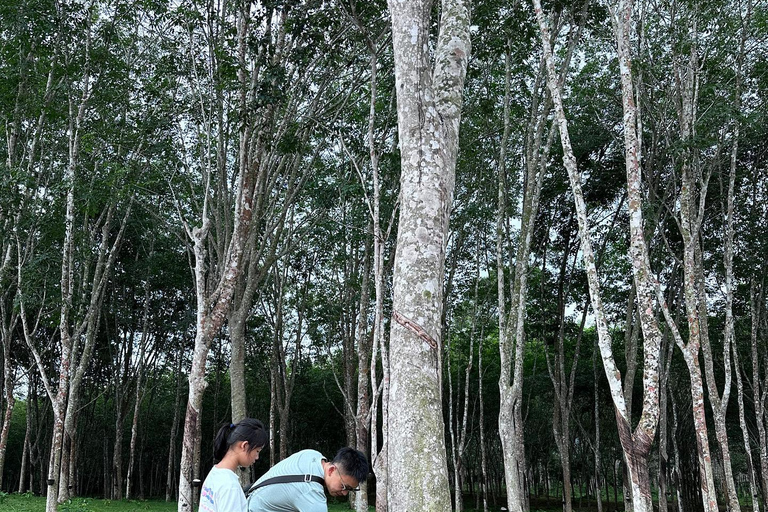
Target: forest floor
30, 503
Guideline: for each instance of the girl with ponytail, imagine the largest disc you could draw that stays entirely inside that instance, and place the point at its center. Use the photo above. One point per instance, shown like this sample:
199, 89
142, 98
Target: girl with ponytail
234, 446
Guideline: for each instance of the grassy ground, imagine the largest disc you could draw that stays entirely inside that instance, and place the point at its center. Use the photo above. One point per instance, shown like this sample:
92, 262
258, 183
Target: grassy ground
30, 503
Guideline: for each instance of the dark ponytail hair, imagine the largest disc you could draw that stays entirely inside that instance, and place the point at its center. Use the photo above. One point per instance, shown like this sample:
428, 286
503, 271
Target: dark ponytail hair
249, 429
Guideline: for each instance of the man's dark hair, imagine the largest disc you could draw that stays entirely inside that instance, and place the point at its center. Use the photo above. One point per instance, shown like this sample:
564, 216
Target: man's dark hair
353, 463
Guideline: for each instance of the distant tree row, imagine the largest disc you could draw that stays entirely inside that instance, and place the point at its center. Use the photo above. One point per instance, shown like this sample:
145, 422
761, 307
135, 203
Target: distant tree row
529, 241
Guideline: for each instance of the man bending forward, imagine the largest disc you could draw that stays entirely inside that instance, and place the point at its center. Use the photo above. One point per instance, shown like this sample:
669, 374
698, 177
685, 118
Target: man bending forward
313, 471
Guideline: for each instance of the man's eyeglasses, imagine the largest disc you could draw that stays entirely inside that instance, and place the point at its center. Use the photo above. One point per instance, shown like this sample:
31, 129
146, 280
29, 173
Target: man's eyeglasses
345, 487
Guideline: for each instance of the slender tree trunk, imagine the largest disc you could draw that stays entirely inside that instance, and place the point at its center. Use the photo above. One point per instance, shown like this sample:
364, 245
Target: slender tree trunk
719, 403
663, 455
379, 457
9, 375
708, 490
512, 320
273, 409
117, 460
729, 342
191, 429
25, 456
214, 293
483, 454
139, 393
60, 395
368, 390
351, 325
170, 481
598, 474
758, 390
362, 415
429, 111
752, 473
134, 436
677, 471
636, 446
458, 432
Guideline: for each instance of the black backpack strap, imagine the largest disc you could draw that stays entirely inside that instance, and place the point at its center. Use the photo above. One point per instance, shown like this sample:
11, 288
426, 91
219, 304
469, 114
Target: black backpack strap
287, 479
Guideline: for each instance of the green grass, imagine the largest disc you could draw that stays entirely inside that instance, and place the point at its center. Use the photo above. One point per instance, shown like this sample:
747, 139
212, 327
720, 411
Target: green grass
29, 503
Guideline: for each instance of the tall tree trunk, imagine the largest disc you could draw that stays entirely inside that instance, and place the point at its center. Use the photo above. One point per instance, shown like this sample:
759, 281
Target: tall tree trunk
139, 392
379, 348
728, 334
59, 396
663, 455
273, 408
9, 379
134, 435
26, 455
752, 473
458, 422
758, 389
170, 480
512, 320
636, 446
596, 444
484, 482
197, 386
236, 327
117, 460
429, 111
362, 415
368, 393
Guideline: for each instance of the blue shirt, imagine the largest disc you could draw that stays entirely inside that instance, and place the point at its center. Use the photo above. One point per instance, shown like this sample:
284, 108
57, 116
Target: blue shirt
294, 496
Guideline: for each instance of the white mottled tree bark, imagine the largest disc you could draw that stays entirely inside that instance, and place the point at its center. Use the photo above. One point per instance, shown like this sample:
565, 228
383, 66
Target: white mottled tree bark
728, 263
753, 486
635, 445
76, 328
758, 389
429, 110
690, 207
563, 382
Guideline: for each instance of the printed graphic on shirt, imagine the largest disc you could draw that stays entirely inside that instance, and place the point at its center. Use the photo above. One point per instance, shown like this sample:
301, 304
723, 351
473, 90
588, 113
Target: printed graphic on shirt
207, 494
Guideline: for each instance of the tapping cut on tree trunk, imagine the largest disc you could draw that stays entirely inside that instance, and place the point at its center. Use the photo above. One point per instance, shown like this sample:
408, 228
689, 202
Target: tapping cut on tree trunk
428, 111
